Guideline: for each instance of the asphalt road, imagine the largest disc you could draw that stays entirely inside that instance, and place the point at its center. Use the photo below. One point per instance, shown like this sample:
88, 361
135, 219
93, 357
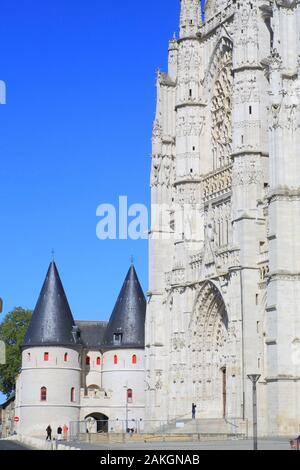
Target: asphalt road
8, 445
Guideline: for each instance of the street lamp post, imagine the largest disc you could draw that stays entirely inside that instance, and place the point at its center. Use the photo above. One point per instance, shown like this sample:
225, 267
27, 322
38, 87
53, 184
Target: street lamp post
126, 388
254, 379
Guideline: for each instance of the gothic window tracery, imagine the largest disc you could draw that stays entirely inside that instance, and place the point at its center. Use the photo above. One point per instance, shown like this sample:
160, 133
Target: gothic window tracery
221, 111
218, 224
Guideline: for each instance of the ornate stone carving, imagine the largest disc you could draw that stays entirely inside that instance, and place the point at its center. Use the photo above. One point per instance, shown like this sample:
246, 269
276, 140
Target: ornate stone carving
190, 125
214, 6
221, 112
217, 183
214, 18
156, 164
209, 334
287, 3
158, 380
264, 271
246, 91
188, 193
284, 109
163, 169
247, 171
246, 34
217, 228
178, 341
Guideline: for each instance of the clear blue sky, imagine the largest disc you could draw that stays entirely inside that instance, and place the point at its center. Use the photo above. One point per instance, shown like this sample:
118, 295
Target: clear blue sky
75, 132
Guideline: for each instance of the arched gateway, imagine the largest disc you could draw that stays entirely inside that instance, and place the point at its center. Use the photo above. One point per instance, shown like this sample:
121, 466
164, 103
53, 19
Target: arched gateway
97, 423
209, 352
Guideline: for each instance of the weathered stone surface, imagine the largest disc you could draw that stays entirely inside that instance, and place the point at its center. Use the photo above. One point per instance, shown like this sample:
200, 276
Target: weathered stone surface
224, 287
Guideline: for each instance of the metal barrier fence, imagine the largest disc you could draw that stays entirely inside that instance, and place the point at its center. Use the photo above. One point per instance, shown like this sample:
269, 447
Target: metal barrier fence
92, 426
80, 430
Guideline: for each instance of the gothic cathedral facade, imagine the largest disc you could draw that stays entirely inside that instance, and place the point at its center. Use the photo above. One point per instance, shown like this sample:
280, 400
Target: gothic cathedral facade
224, 293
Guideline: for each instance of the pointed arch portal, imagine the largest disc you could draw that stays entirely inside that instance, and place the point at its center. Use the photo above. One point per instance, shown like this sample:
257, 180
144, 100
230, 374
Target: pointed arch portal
209, 352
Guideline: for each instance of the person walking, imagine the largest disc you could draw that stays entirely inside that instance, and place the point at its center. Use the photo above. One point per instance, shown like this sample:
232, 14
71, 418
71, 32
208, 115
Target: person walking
66, 430
49, 433
194, 407
59, 433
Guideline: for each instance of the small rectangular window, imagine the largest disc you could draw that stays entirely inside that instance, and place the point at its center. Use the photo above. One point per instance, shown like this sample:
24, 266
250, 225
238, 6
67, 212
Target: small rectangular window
117, 339
129, 395
43, 394
250, 110
46, 356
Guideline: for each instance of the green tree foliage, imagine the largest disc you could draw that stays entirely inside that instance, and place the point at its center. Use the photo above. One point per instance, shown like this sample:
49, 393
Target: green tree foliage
12, 333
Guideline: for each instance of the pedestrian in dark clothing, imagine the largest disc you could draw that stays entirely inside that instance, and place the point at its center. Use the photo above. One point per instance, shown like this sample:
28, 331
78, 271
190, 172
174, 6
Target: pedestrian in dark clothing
194, 411
49, 433
59, 433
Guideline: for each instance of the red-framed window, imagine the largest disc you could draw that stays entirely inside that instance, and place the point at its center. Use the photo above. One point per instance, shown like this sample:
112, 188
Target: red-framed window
88, 360
134, 359
115, 359
73, 395
129, 395
98, 361
66, 357
43, 394
46, 356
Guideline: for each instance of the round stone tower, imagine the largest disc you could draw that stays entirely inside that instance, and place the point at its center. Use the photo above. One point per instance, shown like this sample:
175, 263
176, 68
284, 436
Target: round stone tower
123, 370
48, 388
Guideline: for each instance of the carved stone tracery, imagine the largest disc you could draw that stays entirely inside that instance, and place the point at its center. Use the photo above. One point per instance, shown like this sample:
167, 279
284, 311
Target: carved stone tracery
221, 113
209, 330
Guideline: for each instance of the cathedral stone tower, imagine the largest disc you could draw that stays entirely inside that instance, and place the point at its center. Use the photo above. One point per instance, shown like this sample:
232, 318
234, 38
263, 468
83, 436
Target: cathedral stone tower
223, 254
283, 292
48, 389
190, 18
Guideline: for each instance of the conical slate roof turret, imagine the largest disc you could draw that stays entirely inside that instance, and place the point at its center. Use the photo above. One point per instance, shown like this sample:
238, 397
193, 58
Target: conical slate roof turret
126, 328
52, 322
